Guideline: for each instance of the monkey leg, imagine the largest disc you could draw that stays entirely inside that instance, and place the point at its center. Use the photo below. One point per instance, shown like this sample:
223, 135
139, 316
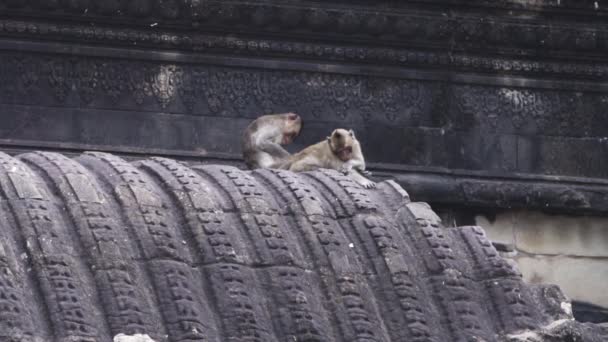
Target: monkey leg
306, 164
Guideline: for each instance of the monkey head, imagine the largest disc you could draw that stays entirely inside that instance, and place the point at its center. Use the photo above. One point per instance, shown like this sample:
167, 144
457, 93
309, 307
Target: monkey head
341, 143
292, 123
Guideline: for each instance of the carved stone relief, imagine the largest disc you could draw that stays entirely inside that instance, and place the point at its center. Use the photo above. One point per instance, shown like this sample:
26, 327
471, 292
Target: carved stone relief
429, 123
527, 111
210, 90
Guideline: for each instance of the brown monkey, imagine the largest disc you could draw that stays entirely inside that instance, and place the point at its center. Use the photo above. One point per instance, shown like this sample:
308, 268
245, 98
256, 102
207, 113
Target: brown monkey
263, 138
340, 151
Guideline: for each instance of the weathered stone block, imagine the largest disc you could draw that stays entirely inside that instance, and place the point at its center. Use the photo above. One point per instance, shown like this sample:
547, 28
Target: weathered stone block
498, 230
580, 278
538, 233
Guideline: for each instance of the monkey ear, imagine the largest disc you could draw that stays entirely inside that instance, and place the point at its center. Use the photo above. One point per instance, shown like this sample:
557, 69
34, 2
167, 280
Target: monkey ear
351, 132
328, 138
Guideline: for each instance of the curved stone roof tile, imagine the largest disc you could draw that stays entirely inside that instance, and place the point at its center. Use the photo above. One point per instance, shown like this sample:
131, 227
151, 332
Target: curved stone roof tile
96, 248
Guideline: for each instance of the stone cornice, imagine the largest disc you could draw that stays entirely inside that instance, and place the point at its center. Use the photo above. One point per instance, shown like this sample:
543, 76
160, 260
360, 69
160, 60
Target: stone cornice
566, 7
307, 50
462, 188
560, 195
205, 9
453, 27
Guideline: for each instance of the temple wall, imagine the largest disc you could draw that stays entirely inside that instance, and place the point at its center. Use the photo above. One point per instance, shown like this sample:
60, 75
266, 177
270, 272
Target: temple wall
474, 106
565, 250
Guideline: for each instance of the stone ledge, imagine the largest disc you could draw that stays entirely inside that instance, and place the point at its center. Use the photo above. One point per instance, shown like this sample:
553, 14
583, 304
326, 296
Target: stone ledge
552, 194
565, 195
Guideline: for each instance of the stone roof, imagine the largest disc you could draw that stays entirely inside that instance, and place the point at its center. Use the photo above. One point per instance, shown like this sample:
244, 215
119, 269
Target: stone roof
94, 247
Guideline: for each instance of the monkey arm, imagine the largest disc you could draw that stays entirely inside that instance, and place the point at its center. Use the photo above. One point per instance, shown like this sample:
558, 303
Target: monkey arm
357, 177
273, 149
356, 164
360, 166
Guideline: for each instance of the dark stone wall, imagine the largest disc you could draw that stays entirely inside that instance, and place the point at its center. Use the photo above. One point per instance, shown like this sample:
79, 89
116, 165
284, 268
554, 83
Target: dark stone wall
487, 103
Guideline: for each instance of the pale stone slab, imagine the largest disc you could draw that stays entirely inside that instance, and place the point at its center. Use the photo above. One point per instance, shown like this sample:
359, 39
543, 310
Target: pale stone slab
580, 278
499, 230
538, 233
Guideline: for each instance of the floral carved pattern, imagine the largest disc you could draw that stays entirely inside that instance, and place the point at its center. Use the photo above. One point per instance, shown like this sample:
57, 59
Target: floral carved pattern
523, 110
209, 90
386, 54
206, 90
332, 17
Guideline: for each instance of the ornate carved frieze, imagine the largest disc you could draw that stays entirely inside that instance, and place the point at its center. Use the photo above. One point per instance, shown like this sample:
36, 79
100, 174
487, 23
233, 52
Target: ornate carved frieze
90, 82
429, 123
55, 80
530, 111
454, 26
289, 13
247, 46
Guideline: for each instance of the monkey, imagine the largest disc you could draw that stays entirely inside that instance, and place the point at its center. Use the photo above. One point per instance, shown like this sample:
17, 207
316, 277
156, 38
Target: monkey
263, 138
341, 151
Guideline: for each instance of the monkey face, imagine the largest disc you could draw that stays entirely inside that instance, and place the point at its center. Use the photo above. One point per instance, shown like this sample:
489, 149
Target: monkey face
292, 126
345, 154
341, 143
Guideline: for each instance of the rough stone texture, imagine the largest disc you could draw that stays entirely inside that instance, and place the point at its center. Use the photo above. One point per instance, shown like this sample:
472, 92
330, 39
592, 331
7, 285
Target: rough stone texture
566, 250
580, 278
560, 195
536, 233
95, 246
132, 338
501, 229
539, 233
507, 92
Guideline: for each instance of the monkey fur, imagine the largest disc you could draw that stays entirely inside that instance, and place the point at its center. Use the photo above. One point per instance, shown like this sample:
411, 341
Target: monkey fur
263, 138
341, 151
